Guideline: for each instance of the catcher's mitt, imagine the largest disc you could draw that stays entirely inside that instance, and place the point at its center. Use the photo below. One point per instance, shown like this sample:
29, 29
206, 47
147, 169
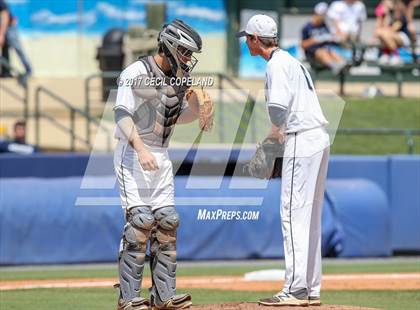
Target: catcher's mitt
202, 104
267, 161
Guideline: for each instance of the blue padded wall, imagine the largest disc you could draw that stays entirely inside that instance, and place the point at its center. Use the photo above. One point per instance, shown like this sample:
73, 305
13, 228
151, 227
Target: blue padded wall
39, 222
361, 208
405, 202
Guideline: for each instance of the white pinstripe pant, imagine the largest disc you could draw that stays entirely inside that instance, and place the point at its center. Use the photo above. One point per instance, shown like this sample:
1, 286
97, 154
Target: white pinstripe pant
304, 173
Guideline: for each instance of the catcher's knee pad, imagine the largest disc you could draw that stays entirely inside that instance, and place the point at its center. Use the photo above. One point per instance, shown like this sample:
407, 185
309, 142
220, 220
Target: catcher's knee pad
167, 222
163, 250
137, 231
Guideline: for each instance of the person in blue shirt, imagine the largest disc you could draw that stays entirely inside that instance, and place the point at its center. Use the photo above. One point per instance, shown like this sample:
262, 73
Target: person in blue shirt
317, 41
18, 145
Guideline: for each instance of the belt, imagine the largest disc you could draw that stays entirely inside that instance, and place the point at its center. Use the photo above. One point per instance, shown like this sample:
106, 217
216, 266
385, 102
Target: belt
302, 131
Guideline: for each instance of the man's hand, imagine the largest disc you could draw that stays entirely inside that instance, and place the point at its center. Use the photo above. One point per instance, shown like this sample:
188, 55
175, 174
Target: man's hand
147, 160
277, 133
2, 39
201, 104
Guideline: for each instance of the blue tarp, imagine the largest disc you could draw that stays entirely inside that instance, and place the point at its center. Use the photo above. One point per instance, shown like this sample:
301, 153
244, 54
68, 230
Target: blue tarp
40, 223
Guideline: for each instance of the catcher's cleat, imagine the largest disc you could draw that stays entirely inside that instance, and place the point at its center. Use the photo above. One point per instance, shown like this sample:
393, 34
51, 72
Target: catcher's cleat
138, 303
181, 301
284, 299
314, 301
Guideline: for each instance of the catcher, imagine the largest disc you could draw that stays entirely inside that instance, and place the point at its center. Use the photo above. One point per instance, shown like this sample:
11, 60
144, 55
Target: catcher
145, 116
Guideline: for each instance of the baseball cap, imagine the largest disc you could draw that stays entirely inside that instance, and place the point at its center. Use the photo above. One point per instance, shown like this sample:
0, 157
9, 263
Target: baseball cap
321, 8
263, 25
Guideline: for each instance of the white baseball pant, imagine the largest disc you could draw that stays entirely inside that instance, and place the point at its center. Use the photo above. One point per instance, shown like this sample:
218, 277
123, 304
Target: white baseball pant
302, 193
138, 187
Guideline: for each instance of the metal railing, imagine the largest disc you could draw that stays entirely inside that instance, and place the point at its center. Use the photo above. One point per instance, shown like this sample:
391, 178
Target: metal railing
88, 91
222, 80
409, 133
23, 99
225, 82
73, 112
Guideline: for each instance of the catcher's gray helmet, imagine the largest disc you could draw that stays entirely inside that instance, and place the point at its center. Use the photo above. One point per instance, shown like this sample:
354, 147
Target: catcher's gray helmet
178, 41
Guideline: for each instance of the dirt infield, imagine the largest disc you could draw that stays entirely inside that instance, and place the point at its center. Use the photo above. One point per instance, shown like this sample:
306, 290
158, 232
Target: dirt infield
391, 281
254, 306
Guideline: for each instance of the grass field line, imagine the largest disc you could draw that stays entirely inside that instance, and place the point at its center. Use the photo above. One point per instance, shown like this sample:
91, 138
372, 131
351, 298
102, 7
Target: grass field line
336, 281
327, 262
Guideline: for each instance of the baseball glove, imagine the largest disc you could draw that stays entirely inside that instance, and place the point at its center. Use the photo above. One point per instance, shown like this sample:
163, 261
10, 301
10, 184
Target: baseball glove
201, 103
267, 161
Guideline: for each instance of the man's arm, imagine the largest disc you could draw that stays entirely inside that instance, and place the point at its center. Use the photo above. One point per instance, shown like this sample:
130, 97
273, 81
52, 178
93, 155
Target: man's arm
362, 19
278, 118
410, 18
279, 96
307, 43
4, 23
125, 123
307, 39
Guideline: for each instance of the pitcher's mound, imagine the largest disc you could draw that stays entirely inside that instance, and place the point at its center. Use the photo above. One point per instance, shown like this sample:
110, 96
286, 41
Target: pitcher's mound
255, 306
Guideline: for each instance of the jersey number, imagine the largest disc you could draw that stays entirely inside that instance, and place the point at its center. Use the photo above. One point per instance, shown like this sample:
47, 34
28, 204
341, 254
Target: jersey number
306, 77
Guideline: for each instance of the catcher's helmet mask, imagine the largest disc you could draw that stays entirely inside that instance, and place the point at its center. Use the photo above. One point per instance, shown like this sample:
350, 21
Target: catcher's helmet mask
178, 42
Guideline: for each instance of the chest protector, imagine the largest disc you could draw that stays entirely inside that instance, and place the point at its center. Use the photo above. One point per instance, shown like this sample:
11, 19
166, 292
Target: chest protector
156, 117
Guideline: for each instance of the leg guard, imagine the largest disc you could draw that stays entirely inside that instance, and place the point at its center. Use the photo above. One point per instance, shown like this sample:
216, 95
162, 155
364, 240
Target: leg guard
132, 255
163, 261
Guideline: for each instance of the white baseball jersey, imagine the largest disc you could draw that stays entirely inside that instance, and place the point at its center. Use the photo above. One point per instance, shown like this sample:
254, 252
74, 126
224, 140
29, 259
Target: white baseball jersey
125, 97
289, 85
137, 186
349, 16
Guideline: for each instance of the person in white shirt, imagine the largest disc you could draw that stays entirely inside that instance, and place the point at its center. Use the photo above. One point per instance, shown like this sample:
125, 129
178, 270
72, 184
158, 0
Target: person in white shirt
298, 121
345, 18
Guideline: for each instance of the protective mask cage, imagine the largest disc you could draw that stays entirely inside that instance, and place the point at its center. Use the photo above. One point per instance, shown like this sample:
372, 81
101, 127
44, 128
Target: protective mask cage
183, 53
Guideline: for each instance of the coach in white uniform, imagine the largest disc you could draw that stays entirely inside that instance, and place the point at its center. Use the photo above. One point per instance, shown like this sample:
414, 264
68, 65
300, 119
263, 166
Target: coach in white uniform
298, 120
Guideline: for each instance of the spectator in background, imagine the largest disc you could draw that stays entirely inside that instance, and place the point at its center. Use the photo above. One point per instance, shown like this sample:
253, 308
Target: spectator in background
9, 39
391, 30
5, 21
345, 19
317, 41
411, 5
19, 130
18, 144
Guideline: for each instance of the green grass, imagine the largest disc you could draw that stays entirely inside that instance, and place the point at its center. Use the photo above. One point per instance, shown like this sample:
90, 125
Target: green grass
378, 113
386, 112
104, 299
398, 300
111, 272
